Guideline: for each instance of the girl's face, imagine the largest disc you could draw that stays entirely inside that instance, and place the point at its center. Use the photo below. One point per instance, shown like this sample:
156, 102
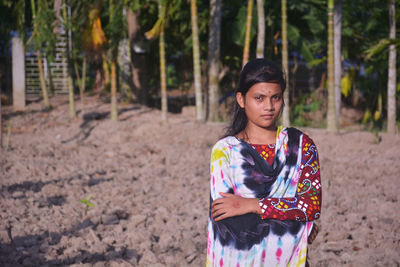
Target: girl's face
263, 104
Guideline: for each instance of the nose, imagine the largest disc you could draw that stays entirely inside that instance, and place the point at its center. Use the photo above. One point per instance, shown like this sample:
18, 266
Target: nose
268, 105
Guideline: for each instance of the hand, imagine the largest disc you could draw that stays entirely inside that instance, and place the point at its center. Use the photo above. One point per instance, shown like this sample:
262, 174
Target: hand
231, 205
313, 234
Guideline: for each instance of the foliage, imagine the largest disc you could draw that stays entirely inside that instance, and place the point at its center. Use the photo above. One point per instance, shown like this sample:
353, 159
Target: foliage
238, 31
379, 48
93, 36
306, 110
87, 204
347, 82
115, 29
43, 36
12, 13
98, 25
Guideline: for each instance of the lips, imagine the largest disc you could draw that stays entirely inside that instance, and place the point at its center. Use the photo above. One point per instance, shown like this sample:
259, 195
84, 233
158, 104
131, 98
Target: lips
267, 116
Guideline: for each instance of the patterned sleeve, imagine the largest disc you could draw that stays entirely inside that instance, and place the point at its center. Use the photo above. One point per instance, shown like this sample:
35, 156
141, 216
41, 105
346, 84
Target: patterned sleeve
220, 173
306, 206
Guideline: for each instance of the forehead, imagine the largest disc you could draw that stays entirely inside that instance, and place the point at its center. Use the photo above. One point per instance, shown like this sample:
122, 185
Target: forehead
265, 88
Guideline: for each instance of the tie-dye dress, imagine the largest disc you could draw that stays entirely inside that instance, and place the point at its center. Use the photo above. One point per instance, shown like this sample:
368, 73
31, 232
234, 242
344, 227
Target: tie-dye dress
289, 193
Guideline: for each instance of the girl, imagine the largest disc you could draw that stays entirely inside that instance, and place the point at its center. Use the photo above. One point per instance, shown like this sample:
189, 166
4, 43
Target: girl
265, 182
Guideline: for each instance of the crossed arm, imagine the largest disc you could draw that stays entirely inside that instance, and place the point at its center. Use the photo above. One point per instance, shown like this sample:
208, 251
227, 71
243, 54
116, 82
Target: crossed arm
306, 206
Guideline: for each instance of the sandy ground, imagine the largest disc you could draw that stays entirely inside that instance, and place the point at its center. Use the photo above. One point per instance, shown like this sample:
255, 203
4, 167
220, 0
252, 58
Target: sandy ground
150, 189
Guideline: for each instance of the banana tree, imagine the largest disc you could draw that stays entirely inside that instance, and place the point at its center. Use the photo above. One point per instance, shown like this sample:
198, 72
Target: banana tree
94, 41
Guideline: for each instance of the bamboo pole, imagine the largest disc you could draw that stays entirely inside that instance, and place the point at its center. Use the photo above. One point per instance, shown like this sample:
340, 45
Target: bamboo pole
196, 62
246, 49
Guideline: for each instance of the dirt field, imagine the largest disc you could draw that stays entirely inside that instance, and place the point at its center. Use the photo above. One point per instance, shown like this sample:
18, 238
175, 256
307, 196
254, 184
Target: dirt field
149, 184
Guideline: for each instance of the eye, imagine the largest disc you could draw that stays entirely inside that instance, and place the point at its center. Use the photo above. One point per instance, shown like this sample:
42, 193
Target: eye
277, 97
259, 98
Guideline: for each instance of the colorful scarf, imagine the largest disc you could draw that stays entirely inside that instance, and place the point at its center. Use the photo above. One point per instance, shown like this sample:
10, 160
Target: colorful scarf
248, 240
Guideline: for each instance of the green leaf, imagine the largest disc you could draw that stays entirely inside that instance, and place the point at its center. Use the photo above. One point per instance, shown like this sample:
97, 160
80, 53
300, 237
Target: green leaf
239, 26
377, 49
305, 51
293, 34
316, 62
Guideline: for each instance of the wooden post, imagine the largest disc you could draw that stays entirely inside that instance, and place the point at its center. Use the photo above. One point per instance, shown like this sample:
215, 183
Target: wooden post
18, 73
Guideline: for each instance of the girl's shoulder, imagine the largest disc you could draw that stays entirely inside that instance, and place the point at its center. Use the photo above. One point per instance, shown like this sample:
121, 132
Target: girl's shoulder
226, 143
305, 136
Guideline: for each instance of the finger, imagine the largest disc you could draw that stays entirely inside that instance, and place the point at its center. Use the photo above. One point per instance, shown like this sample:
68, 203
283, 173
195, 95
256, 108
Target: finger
225, 215
218, 208
215, 202
215, 209
218, 213
221, 217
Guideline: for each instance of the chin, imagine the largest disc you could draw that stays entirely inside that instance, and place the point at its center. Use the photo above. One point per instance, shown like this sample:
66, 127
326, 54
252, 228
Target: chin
268, 126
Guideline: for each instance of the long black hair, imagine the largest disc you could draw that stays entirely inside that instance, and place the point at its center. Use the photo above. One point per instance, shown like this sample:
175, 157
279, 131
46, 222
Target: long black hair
255, 71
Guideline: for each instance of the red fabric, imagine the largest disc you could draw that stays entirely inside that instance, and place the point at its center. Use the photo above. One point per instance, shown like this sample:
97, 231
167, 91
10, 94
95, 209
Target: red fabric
306, 206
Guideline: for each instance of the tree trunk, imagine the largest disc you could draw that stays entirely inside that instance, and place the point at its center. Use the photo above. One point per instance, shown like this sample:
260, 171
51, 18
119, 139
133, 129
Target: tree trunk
246, 49
137, 61
196, 61
43, 86
285, 65
331, 116
337, 20
114, 108
106, 71
124, 61
42, 80
82, 84
391, 120
163, 74
261, 29
72, 112
214, 38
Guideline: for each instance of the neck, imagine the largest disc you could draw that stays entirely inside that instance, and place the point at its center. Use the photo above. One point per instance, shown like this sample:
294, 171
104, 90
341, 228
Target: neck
258, 135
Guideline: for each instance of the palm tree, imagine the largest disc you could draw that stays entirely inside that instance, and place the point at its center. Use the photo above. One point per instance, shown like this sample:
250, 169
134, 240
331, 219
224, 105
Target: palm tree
196, 61
261, 29
391, 123
246, 49
285, 63
337, 21
214, 37
331, 116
